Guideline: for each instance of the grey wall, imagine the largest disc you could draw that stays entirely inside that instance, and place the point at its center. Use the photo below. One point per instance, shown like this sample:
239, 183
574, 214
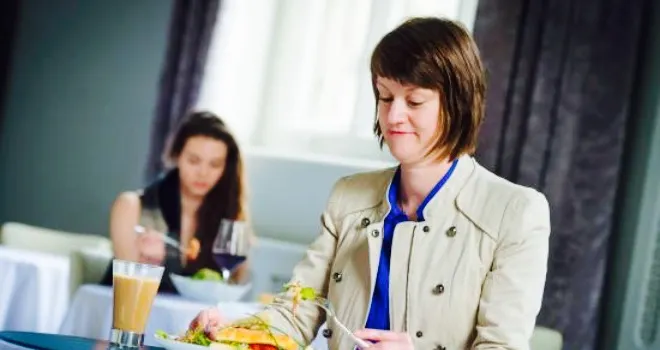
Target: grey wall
78, 108
78, 116
287, 196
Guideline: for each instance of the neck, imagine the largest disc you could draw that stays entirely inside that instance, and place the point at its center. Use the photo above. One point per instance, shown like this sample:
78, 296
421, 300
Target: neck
190, 203
417, 181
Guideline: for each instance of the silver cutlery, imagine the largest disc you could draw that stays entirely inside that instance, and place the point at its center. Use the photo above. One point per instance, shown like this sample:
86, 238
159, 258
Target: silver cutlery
167, 239
326, 305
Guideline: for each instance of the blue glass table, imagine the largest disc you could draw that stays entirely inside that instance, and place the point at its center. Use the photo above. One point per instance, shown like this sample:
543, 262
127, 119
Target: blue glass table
41, 341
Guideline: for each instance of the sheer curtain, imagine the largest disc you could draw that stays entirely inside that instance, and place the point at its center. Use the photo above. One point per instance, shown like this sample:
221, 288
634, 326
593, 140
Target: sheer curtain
292, 76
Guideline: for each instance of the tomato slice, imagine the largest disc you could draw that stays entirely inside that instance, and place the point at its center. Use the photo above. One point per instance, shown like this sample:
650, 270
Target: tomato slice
262, 347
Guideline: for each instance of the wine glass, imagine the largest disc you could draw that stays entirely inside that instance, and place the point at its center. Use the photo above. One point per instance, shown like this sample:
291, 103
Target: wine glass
231, 245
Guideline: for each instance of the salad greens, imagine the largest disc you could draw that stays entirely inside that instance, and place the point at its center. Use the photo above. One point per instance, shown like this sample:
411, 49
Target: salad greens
207, 274
299, 293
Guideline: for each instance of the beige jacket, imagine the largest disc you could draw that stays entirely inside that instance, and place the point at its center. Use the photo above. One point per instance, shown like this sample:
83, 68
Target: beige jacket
469, 277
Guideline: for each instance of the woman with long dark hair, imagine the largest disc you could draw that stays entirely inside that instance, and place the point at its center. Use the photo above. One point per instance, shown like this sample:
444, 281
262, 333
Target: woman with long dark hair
205, 184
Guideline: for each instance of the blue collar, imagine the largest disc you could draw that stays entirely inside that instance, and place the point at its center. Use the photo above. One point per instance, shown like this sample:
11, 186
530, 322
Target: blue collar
393, 193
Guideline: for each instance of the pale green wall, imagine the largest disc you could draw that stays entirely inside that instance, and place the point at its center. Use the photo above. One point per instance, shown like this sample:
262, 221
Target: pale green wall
78, 110
636, 237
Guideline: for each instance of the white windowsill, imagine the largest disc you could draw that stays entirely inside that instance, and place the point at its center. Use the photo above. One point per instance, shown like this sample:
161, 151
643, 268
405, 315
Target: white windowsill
309, 157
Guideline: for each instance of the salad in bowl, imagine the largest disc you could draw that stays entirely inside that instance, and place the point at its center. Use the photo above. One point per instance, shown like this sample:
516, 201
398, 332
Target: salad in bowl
208, 286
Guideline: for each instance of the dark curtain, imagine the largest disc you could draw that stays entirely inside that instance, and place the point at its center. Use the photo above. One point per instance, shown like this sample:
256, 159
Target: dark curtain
8, 23
561, 75
190, 34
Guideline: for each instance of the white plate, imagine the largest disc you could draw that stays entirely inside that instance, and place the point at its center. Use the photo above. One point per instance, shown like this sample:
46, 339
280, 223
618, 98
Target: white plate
171, 344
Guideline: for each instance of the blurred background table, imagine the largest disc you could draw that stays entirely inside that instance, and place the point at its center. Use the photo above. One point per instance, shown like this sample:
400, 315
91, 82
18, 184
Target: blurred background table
34, 292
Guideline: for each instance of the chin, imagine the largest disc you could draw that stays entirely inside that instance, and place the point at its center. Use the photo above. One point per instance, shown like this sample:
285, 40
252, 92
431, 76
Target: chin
404, 156
197, 192
407, 156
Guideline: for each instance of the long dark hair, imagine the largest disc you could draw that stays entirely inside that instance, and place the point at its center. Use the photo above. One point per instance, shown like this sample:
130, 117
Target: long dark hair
227, 198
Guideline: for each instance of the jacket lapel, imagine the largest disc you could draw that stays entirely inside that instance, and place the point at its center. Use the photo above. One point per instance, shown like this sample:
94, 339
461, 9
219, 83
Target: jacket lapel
438, 207
375, 234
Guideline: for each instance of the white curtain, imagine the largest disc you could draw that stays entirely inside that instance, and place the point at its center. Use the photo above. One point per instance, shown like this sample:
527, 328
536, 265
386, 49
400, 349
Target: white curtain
292, 76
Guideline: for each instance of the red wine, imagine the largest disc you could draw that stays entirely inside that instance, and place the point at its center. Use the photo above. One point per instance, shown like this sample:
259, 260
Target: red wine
228, 261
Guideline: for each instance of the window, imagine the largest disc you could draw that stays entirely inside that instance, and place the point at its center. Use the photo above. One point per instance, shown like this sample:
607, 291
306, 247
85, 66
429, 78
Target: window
292, 76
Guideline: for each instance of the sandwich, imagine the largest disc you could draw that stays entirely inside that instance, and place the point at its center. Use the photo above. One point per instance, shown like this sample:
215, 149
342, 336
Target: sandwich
233, 338
252, 333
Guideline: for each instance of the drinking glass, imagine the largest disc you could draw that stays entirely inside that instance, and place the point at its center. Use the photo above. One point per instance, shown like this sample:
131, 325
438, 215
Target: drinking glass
231, 245
134, 286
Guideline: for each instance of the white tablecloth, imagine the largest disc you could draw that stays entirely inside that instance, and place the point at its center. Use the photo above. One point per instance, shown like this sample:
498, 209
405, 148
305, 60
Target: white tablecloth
90, 314
34, 290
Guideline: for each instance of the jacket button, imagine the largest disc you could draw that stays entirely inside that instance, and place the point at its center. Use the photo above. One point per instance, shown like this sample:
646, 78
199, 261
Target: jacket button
440, 347
426, 228
365, 222
375, 233
337, 276
451, 232
419, 334
327, 333
439, 289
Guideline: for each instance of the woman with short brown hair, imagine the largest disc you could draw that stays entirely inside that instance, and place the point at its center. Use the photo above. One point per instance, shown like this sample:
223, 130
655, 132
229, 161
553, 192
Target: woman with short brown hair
438, 252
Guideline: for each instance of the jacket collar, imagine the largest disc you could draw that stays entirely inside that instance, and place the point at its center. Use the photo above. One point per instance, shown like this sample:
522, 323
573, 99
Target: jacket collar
447, 194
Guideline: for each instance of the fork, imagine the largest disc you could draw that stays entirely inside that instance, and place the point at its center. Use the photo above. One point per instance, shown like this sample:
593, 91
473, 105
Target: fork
326, 305
167, 239
330, 311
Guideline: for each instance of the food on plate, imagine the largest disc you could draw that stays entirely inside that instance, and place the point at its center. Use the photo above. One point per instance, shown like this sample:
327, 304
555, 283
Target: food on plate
266, 298
252, 333
193, 248
299, 293
207, 274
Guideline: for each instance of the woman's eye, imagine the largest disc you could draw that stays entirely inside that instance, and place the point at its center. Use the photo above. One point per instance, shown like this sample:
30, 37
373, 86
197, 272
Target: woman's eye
415, 103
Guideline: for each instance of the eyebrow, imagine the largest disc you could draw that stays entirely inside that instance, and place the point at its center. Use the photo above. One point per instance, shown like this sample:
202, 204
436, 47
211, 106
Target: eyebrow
407, 88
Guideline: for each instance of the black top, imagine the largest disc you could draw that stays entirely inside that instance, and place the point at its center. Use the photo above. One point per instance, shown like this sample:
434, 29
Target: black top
164, 195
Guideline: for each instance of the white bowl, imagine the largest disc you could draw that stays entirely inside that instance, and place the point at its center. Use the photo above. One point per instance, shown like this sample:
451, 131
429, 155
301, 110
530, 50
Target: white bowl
209, 291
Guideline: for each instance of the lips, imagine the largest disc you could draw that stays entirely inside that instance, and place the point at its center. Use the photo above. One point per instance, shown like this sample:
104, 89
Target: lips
398, 132
200, 184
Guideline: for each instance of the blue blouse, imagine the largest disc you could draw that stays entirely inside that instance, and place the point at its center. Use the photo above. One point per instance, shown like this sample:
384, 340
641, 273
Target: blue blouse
379, 312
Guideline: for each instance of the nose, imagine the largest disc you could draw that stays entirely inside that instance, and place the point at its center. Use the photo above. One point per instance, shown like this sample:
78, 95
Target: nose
202, 171
397, 112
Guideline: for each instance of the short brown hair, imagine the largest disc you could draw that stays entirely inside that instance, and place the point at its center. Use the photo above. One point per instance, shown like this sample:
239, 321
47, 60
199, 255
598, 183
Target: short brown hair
437, 54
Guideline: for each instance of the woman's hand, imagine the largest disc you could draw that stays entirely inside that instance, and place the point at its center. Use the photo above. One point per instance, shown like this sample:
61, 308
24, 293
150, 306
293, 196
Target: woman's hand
151, 247
385, 340
210, 320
